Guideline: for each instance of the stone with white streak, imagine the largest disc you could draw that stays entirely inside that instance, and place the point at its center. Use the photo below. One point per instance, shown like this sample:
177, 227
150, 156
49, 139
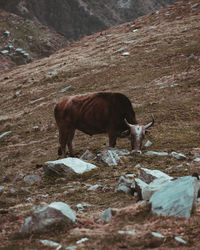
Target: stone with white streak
176, 198
52, 214
67, 166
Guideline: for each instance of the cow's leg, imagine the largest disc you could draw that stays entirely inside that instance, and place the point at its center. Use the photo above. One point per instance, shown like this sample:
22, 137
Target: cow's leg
63, 142
112, 139
69, 142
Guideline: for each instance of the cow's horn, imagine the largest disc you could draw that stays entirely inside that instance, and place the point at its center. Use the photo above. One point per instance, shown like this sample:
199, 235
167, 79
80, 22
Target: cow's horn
128, 124
150, 124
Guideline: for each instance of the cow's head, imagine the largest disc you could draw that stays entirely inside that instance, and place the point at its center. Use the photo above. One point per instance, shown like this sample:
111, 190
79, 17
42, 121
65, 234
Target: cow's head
137, 133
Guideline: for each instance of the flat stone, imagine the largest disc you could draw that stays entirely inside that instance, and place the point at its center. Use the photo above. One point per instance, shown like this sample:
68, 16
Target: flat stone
51, 243
94, 187
82, 240
156, 153
157, 235
178, 156
67, 166
176, 198
132, 233
197, 159
180, 240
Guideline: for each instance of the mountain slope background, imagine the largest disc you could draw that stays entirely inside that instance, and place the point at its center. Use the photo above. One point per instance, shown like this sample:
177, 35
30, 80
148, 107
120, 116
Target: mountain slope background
77, 18
23, 41
155, 61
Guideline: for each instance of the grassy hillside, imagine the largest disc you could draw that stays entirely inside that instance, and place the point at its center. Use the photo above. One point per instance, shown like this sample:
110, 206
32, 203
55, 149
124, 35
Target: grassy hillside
160, 74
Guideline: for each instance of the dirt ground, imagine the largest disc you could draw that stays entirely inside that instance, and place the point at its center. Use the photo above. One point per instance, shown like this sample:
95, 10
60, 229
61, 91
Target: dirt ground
160, 73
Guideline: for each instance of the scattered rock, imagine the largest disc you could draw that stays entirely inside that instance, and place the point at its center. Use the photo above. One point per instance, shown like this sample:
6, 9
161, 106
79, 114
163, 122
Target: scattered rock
4, 52
65, 89
111, 156
82, 240
67, 166
107, 215
157, 235
156, 153
125, 54
132, 233
178, 156
87, 156
53, 214
125, 185
197, 159
4, 134
180, 240
94, 187
31, 179
50, 243
176, 198
148, 144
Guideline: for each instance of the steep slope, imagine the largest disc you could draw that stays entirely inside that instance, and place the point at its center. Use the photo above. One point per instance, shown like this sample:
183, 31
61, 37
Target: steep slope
23, 40
77, 18
155, 61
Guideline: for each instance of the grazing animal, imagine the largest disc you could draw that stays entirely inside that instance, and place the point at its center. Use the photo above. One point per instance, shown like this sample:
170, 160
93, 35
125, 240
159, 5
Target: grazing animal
95, 113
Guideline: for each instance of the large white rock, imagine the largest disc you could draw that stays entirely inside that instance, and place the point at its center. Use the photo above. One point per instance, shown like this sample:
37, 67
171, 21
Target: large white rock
176, 198
54, 213
148, 175
68, 166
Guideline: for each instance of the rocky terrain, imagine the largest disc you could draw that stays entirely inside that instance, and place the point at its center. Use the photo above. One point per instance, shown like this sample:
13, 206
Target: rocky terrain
78, 18
155, 61
23, 41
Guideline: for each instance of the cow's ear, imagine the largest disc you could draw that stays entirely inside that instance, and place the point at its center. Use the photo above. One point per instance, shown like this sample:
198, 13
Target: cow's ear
146, 131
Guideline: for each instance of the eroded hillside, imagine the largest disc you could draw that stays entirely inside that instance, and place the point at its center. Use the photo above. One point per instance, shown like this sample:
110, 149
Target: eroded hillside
155, 61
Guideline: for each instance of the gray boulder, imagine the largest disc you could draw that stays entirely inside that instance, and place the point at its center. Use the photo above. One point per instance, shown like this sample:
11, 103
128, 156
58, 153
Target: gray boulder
67, 166
111, 156
53, 214
176, 198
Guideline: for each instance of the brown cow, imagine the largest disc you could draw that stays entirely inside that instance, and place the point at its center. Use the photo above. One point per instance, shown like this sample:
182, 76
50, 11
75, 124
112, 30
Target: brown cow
95, 113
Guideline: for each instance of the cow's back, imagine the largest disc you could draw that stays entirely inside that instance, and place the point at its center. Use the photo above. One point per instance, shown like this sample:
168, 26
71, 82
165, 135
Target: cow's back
96, 112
